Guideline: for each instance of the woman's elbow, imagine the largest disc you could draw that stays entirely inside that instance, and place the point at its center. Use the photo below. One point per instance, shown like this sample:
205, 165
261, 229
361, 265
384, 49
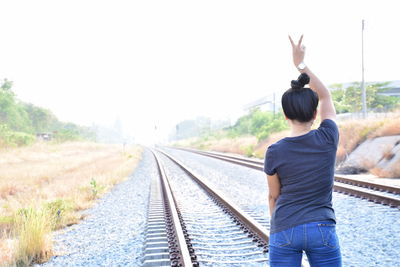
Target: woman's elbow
273, 196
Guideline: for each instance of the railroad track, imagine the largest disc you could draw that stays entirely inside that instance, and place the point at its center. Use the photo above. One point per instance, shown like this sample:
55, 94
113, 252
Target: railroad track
166, 243
190, 223
378, 193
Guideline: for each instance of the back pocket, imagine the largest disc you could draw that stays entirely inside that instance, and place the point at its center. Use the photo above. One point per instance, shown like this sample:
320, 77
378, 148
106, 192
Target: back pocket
328, 234
282, 238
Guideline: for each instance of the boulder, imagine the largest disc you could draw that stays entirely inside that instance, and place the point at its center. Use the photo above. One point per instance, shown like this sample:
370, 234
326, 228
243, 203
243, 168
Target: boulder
381, 152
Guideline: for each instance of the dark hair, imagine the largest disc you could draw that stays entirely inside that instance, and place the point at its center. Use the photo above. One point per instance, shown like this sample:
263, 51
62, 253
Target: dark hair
300, 103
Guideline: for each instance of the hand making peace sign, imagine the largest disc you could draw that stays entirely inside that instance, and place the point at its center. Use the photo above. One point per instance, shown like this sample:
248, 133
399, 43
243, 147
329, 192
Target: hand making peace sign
299, 51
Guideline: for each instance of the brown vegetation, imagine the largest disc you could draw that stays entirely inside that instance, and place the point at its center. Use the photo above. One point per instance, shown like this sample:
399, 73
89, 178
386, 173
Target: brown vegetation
43, 187
261, 148
241, 145
393, 172
388, 127
353, 133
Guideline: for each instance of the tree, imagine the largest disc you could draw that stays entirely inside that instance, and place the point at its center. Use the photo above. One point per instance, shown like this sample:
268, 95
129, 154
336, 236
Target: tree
259, 123
6, 86
42, 120
12, 112
349, 99
19, 121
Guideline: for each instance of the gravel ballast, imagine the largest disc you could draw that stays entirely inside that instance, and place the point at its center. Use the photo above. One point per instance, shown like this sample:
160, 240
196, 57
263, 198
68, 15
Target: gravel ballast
210, 222
368, 232
113, 232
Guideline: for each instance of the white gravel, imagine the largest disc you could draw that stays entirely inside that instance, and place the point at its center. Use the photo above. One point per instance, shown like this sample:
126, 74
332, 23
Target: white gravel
368, 232
113, 232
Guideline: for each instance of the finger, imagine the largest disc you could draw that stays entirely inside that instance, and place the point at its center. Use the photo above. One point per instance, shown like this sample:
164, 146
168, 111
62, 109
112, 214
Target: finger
301, 40
291, 41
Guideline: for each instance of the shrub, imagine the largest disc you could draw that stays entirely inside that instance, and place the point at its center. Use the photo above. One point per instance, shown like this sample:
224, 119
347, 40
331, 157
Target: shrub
20, 139
258, 123
13, 139
58, 212
249, 150
96, 189
32, 228
66, 135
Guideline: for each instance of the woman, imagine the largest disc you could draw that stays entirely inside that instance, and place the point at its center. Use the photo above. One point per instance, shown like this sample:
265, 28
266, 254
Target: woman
300, 171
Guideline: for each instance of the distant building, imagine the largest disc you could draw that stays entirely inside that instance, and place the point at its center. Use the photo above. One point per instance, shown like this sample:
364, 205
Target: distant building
394, 91
270, 102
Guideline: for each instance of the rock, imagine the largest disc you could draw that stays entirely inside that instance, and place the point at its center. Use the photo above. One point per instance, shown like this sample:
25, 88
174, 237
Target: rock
350, 170
391, 161
381, 152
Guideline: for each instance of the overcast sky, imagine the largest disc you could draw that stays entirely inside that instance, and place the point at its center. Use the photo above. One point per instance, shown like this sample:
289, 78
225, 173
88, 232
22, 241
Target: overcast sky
159, 62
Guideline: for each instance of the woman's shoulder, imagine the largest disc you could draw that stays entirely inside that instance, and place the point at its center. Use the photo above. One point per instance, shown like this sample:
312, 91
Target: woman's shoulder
329, 130
328, 123
277, 145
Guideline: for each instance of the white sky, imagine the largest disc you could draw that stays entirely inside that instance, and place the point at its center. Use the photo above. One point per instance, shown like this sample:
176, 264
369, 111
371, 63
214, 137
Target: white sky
159, 62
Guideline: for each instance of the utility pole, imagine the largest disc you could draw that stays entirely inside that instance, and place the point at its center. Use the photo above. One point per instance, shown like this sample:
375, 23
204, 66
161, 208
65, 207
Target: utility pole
364, 94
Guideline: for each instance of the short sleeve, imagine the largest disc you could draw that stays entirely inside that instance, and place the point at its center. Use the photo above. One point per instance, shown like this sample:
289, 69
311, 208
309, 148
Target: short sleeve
269, 167
330, 131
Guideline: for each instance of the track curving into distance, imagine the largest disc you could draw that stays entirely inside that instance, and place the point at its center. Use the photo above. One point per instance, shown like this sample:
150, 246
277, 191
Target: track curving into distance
378, 193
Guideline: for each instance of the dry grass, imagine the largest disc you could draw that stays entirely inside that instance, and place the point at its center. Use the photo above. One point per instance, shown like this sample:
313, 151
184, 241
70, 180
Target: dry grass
388, 152
389, 127
241, 145
32, 227
394, 172
260, 149
353, 133
379, 172
53, 182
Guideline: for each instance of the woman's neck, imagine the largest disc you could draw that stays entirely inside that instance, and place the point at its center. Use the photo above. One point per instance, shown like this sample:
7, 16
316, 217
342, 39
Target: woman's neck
299, 128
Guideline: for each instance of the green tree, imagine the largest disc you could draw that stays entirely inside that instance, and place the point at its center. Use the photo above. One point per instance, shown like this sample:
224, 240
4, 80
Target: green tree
19, 121
12, 113
43, 120
349, 99
258, 123
6, 86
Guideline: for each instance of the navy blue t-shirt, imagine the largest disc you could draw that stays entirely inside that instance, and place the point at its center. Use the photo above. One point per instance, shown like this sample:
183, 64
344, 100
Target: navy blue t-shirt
305, 166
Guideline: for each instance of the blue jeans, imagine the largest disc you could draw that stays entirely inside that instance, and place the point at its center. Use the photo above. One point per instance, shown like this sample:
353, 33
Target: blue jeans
317, 239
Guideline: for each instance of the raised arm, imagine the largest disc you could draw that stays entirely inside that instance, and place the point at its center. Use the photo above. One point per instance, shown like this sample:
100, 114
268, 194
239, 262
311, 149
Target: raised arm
327, 109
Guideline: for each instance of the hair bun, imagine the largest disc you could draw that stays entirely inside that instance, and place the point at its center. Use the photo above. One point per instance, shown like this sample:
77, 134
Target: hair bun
301, 81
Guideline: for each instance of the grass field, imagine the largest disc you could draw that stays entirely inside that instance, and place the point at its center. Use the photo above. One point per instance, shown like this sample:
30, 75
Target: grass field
44, 187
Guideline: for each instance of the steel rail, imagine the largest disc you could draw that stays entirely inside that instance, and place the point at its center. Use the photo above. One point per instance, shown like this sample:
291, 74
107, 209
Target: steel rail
180, 246
251, 226
371, 185
376, 197
340, 184
255, 227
